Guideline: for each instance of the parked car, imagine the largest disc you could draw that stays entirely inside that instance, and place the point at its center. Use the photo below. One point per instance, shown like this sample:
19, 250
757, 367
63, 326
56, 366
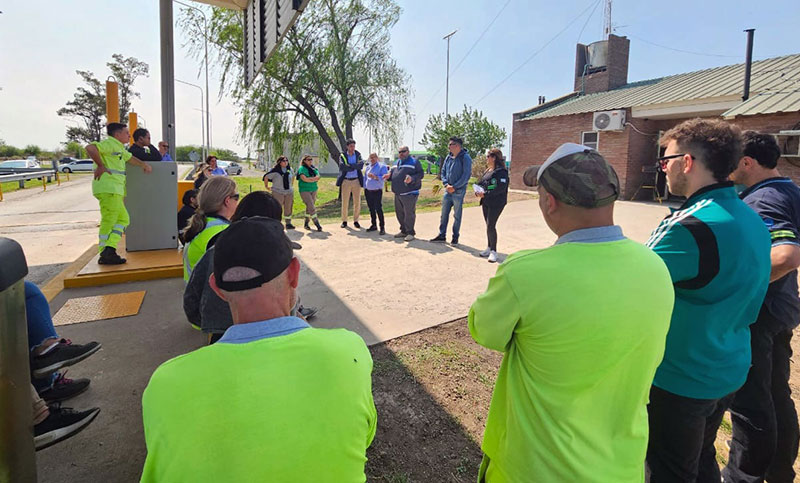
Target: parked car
20, 163
67, 160
77, 165
230, 167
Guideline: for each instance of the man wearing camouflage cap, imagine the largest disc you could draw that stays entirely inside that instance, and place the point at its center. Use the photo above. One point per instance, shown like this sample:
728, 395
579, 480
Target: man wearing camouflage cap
582, 325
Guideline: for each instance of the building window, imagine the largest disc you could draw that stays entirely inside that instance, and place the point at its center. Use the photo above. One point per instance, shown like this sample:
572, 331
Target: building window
589, 139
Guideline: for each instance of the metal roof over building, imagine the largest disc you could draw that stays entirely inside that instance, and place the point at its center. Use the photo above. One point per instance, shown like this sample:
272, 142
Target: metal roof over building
774, 87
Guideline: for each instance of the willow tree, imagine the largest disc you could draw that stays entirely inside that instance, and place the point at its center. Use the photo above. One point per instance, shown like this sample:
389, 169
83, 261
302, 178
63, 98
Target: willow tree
333, 71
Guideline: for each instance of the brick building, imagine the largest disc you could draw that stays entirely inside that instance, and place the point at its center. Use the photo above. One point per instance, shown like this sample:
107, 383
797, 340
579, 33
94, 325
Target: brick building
636, 113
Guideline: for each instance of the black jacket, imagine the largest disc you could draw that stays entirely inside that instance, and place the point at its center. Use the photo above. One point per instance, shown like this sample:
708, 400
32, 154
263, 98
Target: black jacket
143, 154
345, 167
495, 184
398, 172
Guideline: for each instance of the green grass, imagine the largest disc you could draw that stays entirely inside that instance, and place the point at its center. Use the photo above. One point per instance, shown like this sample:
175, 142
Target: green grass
329, 208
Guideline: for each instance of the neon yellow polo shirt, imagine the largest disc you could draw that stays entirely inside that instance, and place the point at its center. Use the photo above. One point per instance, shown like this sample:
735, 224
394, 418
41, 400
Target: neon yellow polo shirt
114, 156
583, 326
271, 401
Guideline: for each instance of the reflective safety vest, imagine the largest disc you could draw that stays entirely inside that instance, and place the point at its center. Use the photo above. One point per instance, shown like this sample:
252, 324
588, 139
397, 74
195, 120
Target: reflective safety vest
114, 156
195, 249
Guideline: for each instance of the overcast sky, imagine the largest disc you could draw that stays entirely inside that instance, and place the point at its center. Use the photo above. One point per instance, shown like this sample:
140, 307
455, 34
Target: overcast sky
42, 44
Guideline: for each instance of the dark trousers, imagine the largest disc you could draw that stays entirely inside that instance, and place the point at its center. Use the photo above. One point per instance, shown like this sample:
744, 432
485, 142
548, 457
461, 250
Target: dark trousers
765, 428
374, 198
405, 207
682, 434
491, 213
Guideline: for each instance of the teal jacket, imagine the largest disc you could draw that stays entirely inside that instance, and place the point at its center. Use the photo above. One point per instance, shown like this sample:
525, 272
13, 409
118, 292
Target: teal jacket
717, 250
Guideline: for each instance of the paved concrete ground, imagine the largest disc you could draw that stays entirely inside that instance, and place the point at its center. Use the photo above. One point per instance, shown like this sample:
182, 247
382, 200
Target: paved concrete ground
377, 286
54, 227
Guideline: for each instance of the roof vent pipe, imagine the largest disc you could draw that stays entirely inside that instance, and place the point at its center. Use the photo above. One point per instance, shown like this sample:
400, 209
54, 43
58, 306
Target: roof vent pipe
748, 64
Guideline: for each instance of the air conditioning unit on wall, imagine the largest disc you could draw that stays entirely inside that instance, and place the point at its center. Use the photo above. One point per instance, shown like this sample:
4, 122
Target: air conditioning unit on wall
609, 120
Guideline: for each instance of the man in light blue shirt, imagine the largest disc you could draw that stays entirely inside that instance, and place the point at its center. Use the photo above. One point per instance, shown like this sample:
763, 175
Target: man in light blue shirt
373, 191
456, 171
163, 148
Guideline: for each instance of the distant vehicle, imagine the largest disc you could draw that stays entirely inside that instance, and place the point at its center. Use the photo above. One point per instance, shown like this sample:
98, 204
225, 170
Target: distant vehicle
67, 160
20, 163
230, 167
77, 165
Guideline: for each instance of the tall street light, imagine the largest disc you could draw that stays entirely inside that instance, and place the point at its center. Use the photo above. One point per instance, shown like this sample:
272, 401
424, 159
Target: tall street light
447, 87
205, 59
202, 129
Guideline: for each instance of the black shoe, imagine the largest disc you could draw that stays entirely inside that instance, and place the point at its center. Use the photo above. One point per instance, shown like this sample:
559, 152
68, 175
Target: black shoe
289, 226
438, 239
382, 232
372, 228
344, 224
64, 388
307, 312
61, 424
109, 256
64, 354
305, 225
316, 223
454, 241
355, 224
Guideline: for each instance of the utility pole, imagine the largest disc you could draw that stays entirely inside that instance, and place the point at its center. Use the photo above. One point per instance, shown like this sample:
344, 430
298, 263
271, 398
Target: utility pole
607, 20
447, 84
205, 61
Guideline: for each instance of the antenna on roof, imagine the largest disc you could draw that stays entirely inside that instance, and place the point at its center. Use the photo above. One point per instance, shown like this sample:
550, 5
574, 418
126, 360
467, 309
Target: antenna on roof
607, 20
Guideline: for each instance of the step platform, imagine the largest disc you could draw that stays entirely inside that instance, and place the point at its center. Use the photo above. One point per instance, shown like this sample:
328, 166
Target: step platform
141, 265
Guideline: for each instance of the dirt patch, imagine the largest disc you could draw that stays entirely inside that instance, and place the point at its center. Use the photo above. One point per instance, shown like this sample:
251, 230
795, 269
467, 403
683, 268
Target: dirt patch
432, 390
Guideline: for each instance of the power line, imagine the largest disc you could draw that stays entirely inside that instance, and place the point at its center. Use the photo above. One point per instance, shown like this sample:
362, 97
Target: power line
682, 51
536, 53
468, 52
587, 20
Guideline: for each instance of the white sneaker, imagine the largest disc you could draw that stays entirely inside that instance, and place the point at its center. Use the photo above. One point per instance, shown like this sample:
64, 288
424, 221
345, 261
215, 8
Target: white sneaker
409, 238
493, 256
485, 253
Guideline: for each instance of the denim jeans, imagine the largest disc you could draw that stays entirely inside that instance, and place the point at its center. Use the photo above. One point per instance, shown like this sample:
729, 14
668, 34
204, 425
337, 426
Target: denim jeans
37, 311
454, 200
40, 324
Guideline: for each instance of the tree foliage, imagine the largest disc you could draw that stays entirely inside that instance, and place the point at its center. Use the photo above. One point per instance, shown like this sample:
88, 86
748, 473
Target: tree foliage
126, 70
88, 105
478, 132
334, 70
74, 149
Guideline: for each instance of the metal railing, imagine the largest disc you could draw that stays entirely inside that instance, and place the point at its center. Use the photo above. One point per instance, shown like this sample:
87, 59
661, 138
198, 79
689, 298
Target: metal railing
23, 174
17, 454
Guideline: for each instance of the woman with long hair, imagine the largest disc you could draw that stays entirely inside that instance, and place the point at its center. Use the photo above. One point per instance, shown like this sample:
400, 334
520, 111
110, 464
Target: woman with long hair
282, 177
494, 196
216, 203
307, 177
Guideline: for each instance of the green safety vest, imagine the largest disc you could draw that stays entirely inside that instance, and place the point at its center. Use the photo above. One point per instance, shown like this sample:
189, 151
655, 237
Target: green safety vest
114, 156
195, 249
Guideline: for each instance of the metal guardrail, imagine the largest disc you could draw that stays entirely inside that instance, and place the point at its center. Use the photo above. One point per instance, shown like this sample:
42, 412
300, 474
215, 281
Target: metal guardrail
23, 174
17, 453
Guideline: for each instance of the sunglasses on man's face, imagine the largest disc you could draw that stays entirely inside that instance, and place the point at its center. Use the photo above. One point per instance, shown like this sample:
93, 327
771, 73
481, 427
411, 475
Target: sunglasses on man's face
663, 161
403, 151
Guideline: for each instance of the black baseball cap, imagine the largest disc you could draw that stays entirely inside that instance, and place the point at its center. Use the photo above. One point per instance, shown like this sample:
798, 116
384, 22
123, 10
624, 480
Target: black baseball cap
258, 243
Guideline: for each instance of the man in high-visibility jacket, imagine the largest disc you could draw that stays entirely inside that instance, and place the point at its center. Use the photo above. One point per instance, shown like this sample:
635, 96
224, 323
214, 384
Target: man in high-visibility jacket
108, 187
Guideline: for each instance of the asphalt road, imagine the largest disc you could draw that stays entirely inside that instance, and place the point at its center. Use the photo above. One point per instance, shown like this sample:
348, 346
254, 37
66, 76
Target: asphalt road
54, 227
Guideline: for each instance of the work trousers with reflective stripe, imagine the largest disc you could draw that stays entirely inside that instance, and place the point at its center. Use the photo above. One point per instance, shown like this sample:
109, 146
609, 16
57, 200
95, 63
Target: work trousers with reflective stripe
113, 219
